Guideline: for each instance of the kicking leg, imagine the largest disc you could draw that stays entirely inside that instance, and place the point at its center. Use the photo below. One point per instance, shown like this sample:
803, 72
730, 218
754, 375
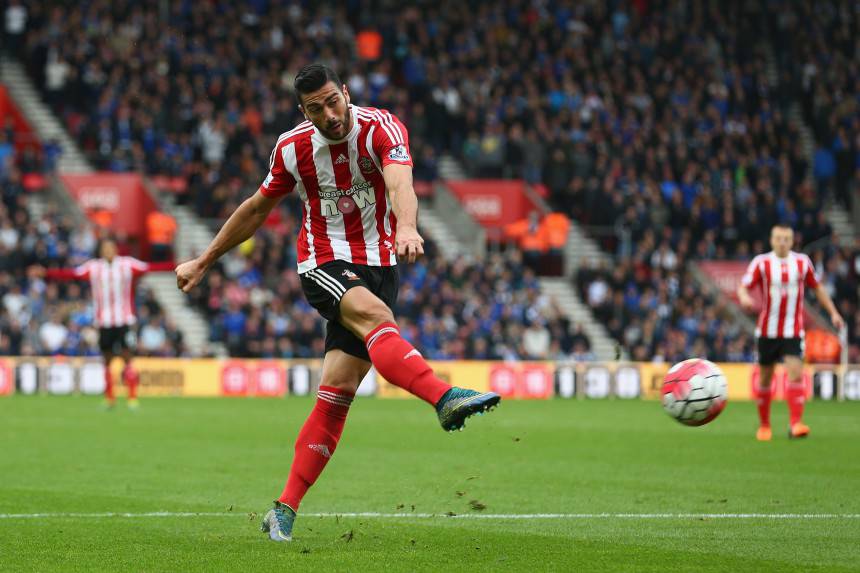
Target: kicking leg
370, 319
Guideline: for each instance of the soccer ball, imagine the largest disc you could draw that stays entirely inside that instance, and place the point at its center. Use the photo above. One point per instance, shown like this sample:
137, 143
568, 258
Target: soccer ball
694, 392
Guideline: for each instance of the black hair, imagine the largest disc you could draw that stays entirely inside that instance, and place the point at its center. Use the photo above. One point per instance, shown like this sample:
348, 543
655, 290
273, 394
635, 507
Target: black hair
312, 77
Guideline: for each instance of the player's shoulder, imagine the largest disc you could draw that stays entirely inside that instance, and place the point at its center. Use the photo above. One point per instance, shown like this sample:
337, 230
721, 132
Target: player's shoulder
758, 259
373, 115
304, 129
803, 257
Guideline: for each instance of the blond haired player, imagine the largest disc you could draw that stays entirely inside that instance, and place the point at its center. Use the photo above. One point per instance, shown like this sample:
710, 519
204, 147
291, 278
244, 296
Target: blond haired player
782, 275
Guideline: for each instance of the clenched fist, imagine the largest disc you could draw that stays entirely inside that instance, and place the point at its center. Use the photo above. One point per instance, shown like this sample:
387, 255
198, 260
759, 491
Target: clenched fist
189, 274
409, 243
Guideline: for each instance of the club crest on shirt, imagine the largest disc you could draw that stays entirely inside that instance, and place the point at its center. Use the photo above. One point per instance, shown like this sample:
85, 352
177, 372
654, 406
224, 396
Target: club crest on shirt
398, 153
365, 164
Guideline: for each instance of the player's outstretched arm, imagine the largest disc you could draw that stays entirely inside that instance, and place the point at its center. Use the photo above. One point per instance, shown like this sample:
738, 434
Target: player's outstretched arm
824, 299
398, 181
241, 225
38, 271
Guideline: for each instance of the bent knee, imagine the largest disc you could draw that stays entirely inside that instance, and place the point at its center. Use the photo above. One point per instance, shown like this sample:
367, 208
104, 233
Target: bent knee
342, 383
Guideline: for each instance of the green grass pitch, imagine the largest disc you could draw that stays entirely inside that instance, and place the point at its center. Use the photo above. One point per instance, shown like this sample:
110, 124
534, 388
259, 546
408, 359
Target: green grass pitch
61, 455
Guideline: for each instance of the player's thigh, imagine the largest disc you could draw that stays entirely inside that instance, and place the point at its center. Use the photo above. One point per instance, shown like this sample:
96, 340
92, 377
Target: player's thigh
343, 371
794, 367
126, 342
361, 311
769, 351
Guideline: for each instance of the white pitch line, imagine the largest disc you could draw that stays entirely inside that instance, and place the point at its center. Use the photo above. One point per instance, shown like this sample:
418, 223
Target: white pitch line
500, 516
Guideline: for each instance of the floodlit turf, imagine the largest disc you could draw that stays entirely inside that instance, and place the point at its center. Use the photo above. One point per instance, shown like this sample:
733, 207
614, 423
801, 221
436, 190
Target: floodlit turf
230, 456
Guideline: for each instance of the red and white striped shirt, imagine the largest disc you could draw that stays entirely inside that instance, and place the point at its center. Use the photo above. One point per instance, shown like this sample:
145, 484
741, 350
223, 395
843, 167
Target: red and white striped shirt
112, 285
782, 283
346, 213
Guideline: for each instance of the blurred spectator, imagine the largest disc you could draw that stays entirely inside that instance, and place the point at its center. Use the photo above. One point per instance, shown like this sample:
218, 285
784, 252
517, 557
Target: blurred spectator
655, 124
48, 318
160, 230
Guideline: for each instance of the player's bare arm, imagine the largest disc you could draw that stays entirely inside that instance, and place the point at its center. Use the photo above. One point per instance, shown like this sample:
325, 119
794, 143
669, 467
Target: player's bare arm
240, 227
744, 298
398, 182
824, 300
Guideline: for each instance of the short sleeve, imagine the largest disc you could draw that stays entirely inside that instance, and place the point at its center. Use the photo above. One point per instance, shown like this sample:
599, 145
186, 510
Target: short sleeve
391, 141
752, 276
812, 279
83, 271
138, 267
279, 181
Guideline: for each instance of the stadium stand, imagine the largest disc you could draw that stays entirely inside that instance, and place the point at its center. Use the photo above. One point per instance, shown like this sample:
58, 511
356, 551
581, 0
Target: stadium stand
656, 124
50, 318
449, 309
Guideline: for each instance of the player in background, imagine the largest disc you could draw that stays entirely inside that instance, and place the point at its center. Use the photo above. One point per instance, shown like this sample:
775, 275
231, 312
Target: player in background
782, 275
352, 169
112, 279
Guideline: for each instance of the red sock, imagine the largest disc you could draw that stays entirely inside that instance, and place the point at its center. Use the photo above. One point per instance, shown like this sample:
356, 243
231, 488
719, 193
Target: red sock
763, 398
108, 384
402, 365
795, 395
316, 443
131, 378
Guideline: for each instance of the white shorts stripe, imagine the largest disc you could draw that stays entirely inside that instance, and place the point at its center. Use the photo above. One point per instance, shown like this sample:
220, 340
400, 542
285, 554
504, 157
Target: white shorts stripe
322, 274
324, 285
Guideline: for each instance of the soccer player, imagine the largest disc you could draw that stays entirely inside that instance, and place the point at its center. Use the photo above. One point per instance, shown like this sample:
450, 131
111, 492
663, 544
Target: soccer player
782, 275
352, 169
112, 280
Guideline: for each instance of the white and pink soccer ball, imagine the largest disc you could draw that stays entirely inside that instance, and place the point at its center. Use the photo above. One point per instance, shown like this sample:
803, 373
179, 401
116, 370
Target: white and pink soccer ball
694, 392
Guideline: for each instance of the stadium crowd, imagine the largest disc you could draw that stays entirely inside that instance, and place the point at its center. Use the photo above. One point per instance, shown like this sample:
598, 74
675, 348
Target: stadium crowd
39, 317
665, 127
450, 309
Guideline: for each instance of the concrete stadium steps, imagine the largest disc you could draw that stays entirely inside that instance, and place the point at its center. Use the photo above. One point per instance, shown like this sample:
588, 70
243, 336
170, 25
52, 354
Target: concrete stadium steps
844, 231
581, 247
432, 225
37, 206
450, 168
194, 328
47, 126
602, 344
193, 235
807, 139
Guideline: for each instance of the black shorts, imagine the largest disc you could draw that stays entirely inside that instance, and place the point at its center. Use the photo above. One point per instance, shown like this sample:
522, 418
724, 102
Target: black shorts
115, 339
773, 350
325, 285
